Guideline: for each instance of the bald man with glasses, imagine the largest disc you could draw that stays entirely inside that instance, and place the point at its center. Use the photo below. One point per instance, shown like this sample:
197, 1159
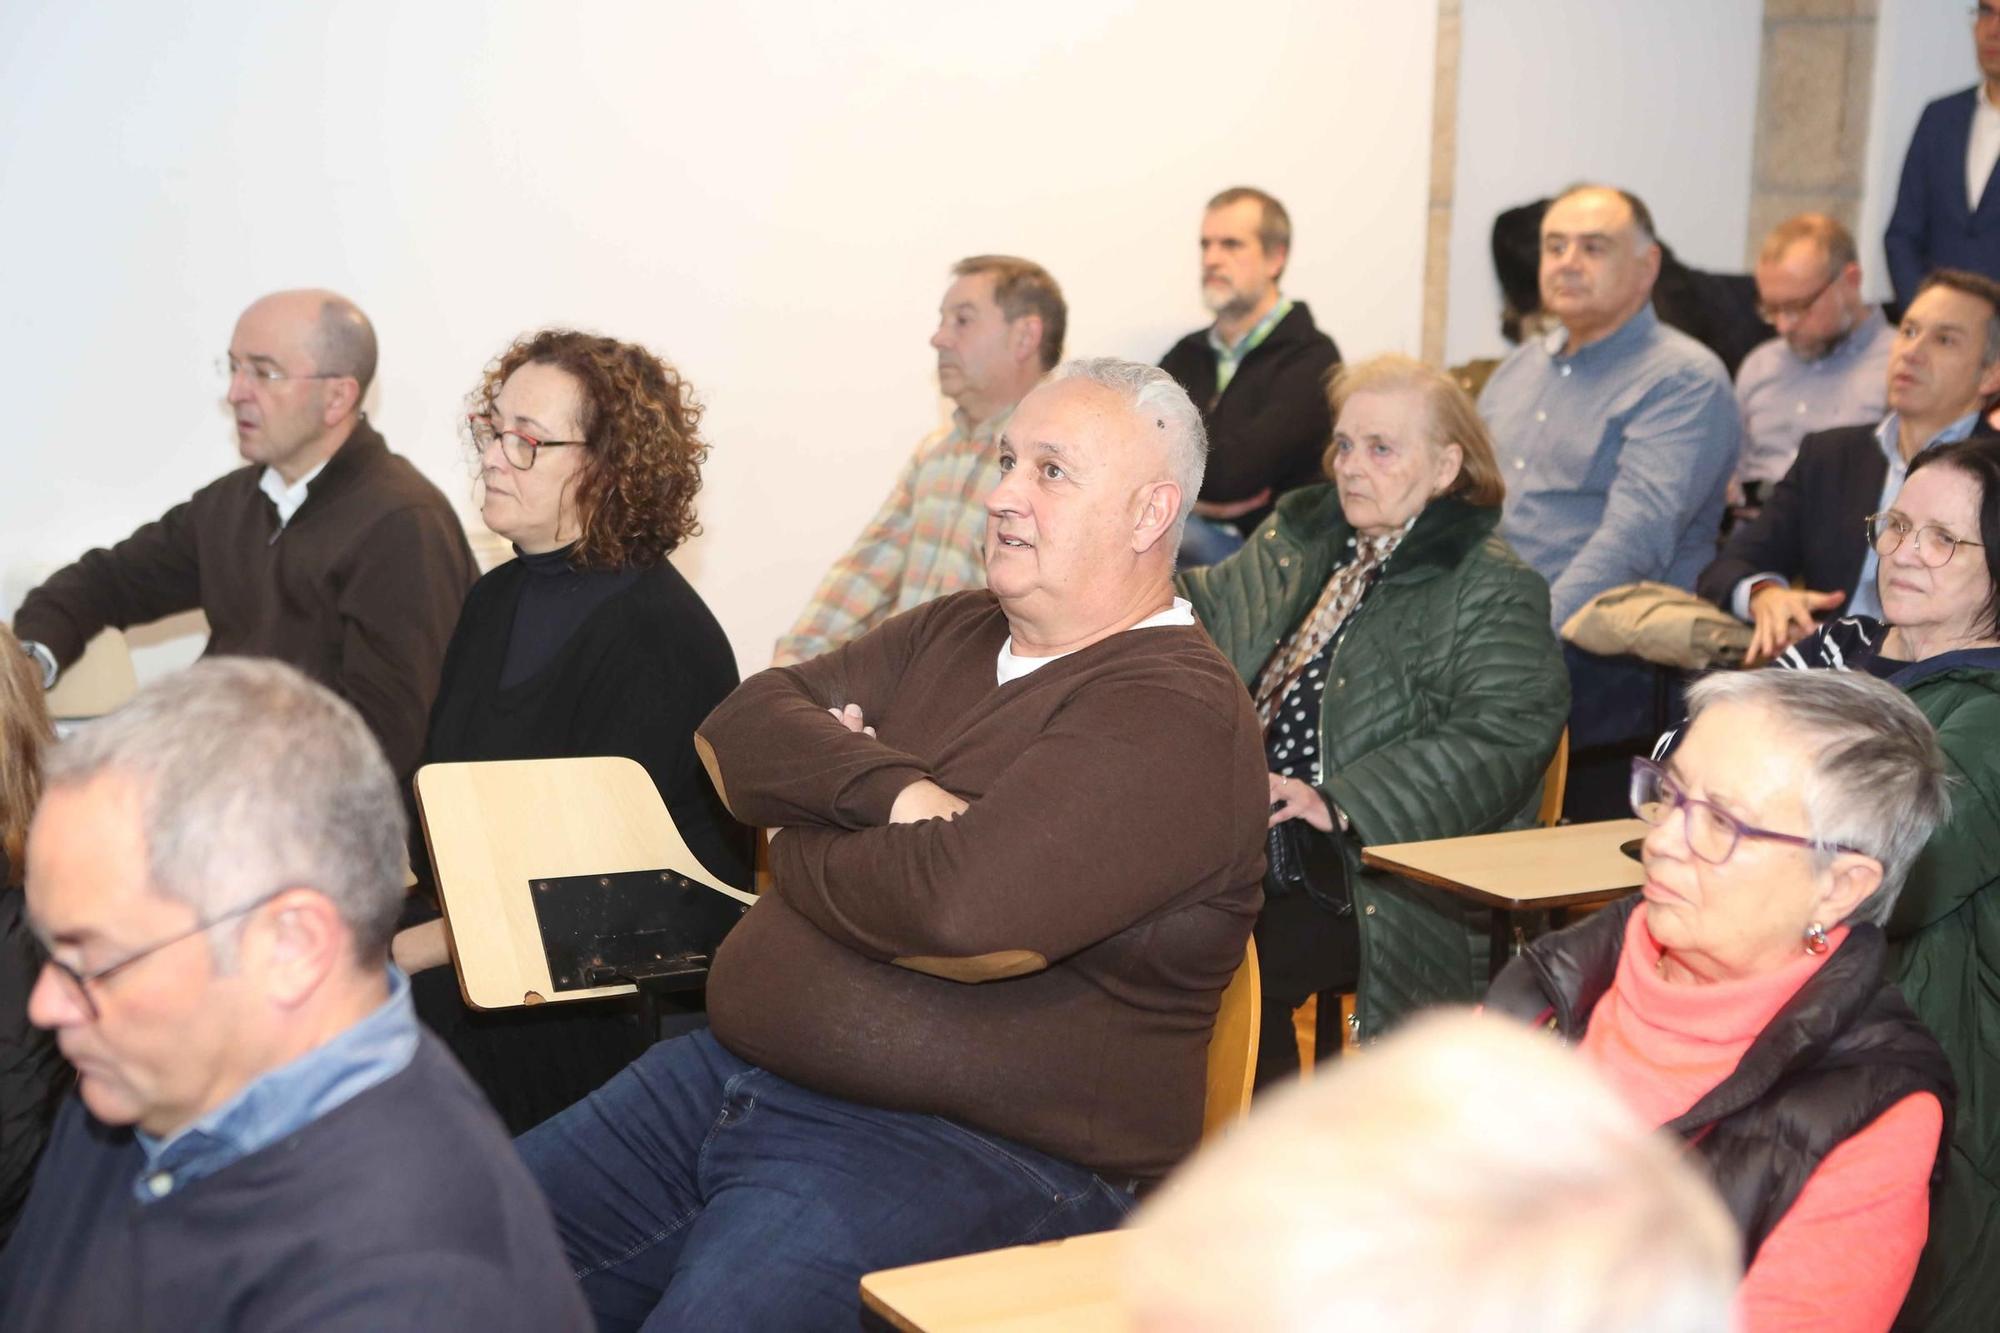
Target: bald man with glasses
325, 550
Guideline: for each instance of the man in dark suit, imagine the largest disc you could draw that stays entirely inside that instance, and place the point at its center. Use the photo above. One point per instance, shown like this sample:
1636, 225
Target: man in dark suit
1947, 212
1806, 554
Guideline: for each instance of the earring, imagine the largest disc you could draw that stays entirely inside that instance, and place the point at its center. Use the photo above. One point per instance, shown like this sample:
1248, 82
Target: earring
1815, 938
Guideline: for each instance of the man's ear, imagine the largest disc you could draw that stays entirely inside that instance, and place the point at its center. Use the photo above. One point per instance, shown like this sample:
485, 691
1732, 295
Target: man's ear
1851, 881
294, 942
1989, 379
343, 396
1160, 505
1024, 338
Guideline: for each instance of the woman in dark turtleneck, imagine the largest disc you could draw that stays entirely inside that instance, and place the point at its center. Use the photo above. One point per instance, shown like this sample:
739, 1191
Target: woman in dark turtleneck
591, 643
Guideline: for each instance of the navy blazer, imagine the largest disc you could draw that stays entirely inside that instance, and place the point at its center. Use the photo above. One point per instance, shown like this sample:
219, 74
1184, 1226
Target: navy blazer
1811, 527
1932, 226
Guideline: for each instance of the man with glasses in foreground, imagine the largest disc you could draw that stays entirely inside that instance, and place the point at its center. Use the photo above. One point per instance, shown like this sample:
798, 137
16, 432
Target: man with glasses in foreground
1739, 1000
1828, 364
327, 551
263, 1136
1807, 552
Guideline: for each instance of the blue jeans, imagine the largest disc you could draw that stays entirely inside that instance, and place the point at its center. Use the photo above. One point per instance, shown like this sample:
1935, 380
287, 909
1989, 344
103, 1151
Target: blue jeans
694, 1191
1204, 542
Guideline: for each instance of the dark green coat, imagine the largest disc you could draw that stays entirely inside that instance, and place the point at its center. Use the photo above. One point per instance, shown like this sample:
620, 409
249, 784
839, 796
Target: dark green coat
1944, 940
1446, 699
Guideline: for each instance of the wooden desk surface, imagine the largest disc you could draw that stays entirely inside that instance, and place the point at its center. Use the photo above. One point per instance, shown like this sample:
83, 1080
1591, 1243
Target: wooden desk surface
1063, 1286
1571, 865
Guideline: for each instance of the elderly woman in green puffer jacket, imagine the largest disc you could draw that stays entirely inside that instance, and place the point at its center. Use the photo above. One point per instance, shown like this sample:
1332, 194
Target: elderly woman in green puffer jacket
1400, 657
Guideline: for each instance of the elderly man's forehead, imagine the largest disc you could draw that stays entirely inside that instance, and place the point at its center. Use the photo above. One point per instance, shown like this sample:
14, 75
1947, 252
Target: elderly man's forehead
280, 323
1588, 210
1079, 416
87, 854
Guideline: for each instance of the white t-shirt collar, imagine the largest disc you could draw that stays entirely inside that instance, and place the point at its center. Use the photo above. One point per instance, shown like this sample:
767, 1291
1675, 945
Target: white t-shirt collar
1012, 668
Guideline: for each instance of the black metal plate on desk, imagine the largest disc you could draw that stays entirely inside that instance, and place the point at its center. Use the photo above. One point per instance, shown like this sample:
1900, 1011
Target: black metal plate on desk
654, 927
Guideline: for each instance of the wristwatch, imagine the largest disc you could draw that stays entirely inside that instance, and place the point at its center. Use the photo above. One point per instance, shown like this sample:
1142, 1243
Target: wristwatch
45, 659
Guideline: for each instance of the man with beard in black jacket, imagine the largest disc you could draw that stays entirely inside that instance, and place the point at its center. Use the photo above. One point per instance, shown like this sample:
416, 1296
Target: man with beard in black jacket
1258, 374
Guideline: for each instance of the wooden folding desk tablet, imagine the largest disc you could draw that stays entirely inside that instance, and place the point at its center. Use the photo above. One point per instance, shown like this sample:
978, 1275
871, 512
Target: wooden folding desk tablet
1528, 870
495, 827
1061, 1286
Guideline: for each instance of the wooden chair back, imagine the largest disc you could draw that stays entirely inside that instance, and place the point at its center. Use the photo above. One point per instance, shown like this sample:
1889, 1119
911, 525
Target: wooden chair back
99, 682
1232, 1047
1553, 783
495, 827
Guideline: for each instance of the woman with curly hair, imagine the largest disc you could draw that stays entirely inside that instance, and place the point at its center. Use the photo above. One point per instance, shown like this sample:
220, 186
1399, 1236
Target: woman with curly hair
33, 1076
590, 643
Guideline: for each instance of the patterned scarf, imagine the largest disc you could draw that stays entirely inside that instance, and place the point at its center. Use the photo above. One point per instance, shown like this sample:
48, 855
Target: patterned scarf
1336, 602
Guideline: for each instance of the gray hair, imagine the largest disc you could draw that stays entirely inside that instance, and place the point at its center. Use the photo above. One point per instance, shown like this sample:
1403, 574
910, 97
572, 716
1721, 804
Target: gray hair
1469, 1173
254, 779
343, 342
1878, 779
1149, 391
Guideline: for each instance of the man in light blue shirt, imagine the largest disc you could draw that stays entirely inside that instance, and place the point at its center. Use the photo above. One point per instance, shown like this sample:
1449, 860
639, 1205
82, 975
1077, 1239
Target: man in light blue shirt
1829, 363
1616, 434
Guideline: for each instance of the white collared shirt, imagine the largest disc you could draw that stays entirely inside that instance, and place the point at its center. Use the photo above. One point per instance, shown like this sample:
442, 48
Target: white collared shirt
1982, 148
1012, 668
287, 498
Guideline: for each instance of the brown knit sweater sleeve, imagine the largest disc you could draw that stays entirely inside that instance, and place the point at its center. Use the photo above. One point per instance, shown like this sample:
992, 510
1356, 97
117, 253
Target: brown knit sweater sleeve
1099, 809
1076, 841
153, 573
779, 759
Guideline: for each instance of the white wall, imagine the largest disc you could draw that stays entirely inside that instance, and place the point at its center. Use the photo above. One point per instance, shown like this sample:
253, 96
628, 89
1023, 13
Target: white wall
1923, 50
1658, 98
769, 195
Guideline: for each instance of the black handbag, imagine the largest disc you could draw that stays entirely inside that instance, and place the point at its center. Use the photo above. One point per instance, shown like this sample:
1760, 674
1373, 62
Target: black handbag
1301, 859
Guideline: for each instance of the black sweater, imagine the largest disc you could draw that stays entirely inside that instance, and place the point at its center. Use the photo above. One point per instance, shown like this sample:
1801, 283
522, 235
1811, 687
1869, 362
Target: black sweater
1271, 426
33, 1074
632, 676
404, 1208
550, 662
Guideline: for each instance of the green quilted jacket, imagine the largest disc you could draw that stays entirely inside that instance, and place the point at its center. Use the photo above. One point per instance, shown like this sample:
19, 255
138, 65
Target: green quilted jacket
1446, 699
1944, 939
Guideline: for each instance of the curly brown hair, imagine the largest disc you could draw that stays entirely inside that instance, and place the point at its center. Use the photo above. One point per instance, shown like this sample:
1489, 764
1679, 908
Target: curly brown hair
635, 492
25, 734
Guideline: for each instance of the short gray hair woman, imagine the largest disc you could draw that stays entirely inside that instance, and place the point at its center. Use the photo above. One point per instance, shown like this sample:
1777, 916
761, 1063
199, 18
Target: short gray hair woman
1738, 1000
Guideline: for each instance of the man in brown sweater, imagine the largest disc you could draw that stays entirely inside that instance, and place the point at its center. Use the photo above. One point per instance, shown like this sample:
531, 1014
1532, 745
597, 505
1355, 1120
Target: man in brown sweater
1020, 851
327, 551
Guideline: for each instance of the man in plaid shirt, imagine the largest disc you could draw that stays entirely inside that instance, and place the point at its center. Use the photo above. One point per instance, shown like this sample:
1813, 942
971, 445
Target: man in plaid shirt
1000, 329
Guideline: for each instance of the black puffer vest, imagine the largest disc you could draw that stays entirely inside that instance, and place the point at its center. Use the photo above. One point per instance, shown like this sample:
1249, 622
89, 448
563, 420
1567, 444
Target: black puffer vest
1842, 1051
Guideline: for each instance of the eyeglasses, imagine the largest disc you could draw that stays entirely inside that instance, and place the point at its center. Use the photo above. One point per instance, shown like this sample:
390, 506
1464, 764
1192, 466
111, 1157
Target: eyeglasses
78, 983
1773, 311
1935, 546
229, 368
520, 450
1712, 832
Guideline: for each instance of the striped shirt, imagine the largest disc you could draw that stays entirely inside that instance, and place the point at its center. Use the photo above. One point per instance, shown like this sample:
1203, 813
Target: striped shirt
926, 540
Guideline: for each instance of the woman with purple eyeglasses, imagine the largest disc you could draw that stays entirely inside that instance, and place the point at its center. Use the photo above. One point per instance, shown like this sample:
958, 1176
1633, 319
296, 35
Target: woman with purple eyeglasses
1739, 999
